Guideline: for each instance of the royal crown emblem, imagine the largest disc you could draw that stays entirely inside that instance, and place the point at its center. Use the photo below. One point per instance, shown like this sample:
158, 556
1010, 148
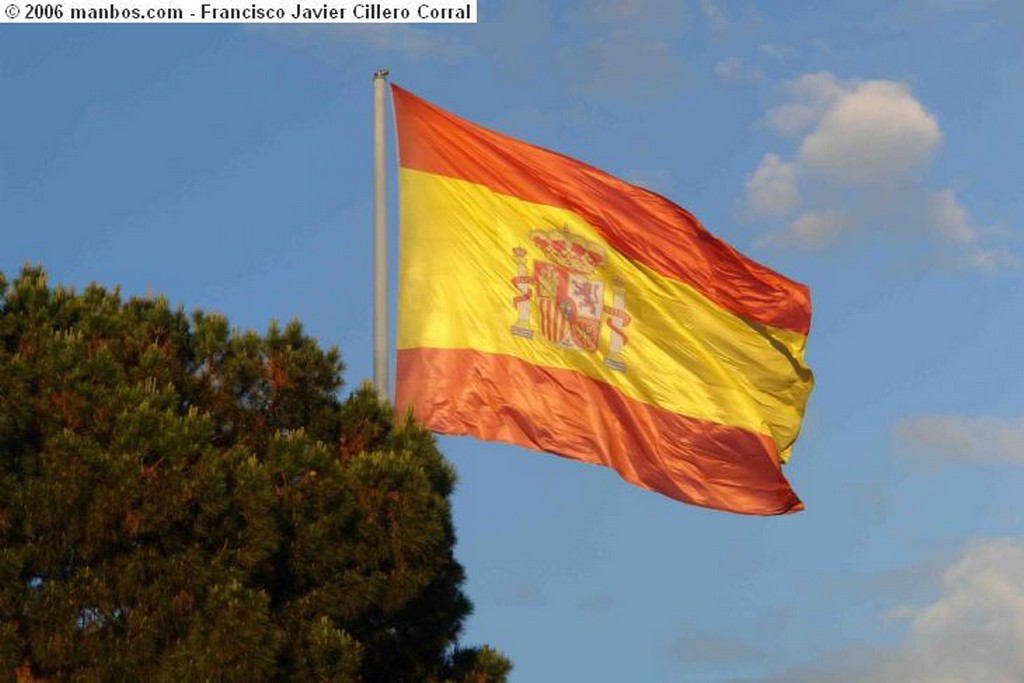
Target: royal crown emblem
570, 296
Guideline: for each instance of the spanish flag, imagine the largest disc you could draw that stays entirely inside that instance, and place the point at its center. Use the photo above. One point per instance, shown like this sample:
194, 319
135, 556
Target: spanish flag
544, 303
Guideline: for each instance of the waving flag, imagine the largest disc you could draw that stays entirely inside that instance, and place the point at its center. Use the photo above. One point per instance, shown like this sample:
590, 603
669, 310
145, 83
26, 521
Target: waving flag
547, 304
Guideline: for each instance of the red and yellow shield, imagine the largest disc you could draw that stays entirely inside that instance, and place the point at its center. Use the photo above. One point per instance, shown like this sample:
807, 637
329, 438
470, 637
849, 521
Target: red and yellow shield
570, 306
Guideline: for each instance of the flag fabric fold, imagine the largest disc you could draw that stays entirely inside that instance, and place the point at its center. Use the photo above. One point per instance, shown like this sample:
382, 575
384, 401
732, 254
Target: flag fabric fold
544, 303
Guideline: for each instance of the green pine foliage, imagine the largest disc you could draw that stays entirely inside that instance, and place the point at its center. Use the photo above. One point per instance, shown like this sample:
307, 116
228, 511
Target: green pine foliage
184, 502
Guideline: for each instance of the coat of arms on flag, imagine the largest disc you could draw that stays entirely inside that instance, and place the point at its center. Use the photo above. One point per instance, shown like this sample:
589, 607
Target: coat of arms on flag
570, 295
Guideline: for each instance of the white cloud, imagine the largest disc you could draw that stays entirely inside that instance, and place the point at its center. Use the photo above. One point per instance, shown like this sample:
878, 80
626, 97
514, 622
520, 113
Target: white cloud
789, 119
811, 95
816, 229
950, 219
772, 188
876, 133
819, 88
970, 633
973, 630
810, 231
860, 150
952, 223
953, 437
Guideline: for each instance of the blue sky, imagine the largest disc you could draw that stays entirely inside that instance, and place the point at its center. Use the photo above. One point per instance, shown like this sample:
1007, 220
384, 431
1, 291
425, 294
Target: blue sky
870, 150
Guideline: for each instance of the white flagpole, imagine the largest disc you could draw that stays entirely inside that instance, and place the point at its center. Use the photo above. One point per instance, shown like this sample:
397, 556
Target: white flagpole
380, 235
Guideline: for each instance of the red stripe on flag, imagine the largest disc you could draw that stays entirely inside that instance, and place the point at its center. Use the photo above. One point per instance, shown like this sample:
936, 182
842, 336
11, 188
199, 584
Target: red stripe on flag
503, 398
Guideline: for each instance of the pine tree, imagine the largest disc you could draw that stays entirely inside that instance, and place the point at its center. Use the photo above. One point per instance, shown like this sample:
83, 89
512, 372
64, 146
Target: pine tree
184, 502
